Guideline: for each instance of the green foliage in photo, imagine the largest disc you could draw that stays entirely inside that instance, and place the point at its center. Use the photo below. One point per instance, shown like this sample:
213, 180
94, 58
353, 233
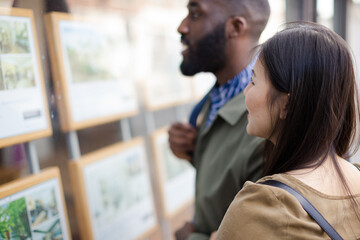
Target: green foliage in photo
14, 220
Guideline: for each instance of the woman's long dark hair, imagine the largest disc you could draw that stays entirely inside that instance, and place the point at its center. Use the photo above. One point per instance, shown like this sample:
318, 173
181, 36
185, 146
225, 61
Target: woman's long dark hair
314, 66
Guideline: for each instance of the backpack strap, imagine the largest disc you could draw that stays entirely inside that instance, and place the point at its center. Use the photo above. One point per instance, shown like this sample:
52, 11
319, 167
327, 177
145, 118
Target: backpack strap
308, 207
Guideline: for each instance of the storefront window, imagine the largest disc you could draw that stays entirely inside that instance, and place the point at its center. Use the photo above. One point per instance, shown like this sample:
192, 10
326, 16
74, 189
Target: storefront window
353, 38
91, 88
325, 12
276, 20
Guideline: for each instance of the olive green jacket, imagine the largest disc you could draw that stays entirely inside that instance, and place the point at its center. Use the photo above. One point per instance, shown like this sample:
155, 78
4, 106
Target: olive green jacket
225, 157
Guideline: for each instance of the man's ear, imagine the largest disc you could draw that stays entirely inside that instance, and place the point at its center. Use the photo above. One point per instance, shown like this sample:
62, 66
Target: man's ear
284, 101
236, 26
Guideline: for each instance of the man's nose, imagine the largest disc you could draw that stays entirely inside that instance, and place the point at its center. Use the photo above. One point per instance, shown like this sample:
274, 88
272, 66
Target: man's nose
183, 27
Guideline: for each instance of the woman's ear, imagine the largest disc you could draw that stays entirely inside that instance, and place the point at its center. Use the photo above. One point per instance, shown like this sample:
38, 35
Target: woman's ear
284, 100
236, 26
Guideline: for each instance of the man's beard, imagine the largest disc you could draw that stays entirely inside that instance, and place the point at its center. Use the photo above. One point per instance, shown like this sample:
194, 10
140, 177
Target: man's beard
207, 54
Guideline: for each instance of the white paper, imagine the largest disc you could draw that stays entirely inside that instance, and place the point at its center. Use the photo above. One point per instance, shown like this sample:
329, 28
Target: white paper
22, 107
158, 54
119, 195
179, 185
97, 70
40, 209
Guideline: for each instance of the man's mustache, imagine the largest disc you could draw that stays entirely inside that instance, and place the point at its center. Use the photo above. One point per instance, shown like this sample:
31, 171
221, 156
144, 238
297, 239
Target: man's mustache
185, 41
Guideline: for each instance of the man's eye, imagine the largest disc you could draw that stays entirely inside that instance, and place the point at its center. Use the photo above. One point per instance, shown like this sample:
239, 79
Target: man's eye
194, 15
252, 82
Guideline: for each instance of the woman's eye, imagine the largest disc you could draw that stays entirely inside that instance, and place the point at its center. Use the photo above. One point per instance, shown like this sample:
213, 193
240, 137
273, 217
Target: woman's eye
252, 82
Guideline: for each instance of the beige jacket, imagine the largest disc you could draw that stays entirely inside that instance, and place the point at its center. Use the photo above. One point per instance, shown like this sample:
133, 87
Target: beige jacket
265, 212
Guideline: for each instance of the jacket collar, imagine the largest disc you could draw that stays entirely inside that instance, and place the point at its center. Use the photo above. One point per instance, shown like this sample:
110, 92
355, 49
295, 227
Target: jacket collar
234, 109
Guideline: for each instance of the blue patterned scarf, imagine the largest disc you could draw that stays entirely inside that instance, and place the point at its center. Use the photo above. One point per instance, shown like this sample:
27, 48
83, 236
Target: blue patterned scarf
220, 95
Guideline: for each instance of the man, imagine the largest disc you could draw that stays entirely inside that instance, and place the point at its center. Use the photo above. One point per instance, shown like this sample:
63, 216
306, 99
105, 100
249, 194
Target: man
219, 37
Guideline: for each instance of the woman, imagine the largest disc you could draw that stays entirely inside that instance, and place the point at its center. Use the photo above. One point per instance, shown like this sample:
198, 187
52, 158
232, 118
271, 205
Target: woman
303, 99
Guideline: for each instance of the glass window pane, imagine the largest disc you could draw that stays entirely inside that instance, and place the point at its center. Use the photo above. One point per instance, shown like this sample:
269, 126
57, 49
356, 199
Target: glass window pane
325, 12
276, 19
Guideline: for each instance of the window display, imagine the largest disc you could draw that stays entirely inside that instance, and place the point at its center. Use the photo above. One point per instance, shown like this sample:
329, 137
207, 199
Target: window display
90, 68
23, 105
176, 176
33, 208
113, 194
158, 56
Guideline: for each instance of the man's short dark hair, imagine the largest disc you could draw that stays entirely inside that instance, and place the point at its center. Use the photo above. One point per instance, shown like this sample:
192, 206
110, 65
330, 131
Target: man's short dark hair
256, 12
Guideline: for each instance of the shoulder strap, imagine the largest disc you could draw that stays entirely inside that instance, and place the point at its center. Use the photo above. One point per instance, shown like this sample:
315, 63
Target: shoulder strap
308, 207
357, 166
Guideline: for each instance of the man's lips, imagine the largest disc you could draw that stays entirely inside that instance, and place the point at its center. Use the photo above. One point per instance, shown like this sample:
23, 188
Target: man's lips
185, 48
185, 43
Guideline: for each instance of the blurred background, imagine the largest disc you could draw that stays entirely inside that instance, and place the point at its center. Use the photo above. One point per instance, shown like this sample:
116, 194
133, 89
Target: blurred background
149, 57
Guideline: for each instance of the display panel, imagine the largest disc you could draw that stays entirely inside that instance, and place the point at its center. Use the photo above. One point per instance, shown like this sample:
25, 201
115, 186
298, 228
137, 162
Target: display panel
34, 208
90, 68
176, 176
158, 55
112, 193
23, 106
